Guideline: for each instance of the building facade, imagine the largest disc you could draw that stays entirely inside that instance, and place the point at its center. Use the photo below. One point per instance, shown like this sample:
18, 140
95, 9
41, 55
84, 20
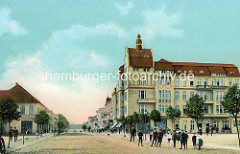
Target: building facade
29, 106
156, 85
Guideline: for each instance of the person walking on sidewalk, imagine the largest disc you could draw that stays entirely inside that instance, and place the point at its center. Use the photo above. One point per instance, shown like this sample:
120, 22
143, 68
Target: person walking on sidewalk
160, 137
174, 138
182, 139
194, 140
169, 137
140, 137
151, 135
15, 134
199, 141
186, 138
132, 134
154, 137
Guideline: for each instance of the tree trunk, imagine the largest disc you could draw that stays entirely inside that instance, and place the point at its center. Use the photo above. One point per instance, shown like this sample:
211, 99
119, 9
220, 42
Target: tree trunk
197, 124
1, 128
237, 130
9, 123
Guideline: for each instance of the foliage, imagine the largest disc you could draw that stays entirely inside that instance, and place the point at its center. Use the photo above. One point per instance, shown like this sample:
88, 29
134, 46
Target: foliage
155, 115
42, 118
173, 113
195, 107
84, 127
89, 128
62, 122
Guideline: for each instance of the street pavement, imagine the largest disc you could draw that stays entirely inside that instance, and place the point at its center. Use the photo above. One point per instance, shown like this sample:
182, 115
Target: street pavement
115, 143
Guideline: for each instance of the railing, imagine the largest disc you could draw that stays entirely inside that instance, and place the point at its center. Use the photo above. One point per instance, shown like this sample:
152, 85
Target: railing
210, 87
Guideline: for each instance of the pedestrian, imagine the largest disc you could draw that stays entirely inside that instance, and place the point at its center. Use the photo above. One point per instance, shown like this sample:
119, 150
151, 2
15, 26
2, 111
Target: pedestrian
10, 133
199, 141
154, 137
151, 135
174, 138
140, 137
15, 134
132, 134
194, 140
160, 137
169, 136
211, 130
207, 130
186, 138
182, 139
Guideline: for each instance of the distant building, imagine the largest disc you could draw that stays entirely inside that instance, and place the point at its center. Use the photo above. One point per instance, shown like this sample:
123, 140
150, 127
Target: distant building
101, 117
92, 121
29, 106
108, 112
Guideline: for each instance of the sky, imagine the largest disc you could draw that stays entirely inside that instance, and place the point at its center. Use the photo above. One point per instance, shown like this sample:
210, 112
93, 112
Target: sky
39, 38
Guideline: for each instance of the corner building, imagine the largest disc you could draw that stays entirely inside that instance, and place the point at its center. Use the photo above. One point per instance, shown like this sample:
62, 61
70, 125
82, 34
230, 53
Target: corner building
211, 81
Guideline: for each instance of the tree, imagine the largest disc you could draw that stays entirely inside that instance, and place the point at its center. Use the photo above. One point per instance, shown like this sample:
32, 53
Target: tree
231, 104
173, 114
155, 115
195, 108
42, 118
136, 119
8, 112
129, 120
62, 122
123, 120
89, 128
84, 127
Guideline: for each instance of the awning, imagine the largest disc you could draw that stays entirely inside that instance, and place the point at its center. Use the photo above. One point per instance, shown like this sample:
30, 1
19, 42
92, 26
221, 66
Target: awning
113, 126
119, 125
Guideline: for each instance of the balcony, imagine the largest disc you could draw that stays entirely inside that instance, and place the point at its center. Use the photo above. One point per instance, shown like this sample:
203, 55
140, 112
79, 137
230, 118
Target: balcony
204, 87
148, 100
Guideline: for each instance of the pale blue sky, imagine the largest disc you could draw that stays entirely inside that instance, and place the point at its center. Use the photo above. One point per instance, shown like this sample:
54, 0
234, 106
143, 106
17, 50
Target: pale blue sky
91, 36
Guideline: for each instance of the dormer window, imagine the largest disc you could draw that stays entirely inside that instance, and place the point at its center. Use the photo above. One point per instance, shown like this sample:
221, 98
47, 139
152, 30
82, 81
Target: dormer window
146, 56
190, 71
201, 72
134, 55
231, 72
179, 71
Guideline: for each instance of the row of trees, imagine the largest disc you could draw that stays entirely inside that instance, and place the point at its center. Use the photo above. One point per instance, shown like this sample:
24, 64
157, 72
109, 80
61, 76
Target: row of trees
194, 109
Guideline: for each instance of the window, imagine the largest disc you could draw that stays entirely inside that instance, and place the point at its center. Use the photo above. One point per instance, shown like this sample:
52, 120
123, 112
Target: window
217, 95
219, 109
122, 110
199, 81
142, 94
169, 94
184, 109
166, 108
206, 109
176, 94
206, 95
191, 83
134, 55
237, 82
163, 94
142, 108
159, 94
200, 93
192, 125
125, 96
183, 83
215, 124
226, 124
166, 95
184, 95
38, 110
31, 110
146, 69
214, 82
125, 109
135, 69
205, 82
142, 80
176, 82
177, 107
177, 124
118, 111
220, 95
230, 82
221, 82
191, 93
22, 109
234, 124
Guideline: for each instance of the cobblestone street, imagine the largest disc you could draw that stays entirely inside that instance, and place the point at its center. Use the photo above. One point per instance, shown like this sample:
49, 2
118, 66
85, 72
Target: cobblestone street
101, 143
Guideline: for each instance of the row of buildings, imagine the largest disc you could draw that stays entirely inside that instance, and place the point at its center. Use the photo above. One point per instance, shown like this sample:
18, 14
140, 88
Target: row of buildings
29, 106
156, 92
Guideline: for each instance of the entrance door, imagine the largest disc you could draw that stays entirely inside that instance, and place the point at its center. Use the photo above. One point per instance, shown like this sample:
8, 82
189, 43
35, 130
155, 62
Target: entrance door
26, 125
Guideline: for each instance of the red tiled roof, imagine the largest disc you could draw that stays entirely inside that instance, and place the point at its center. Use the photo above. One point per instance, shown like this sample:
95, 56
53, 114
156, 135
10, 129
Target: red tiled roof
19, 95
142, 58
108, 100
197, 68
121, 69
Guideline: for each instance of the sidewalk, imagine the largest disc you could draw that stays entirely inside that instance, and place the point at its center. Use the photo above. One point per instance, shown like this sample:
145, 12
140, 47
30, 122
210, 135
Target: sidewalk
28, 140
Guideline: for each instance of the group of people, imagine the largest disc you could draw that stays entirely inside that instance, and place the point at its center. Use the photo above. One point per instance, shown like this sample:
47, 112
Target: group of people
13, 134
156, 138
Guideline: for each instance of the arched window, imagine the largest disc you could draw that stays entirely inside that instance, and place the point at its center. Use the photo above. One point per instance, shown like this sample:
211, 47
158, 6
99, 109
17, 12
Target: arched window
146, 56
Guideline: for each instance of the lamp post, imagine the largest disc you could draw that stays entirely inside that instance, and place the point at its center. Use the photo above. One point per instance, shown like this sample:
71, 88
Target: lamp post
145, 115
